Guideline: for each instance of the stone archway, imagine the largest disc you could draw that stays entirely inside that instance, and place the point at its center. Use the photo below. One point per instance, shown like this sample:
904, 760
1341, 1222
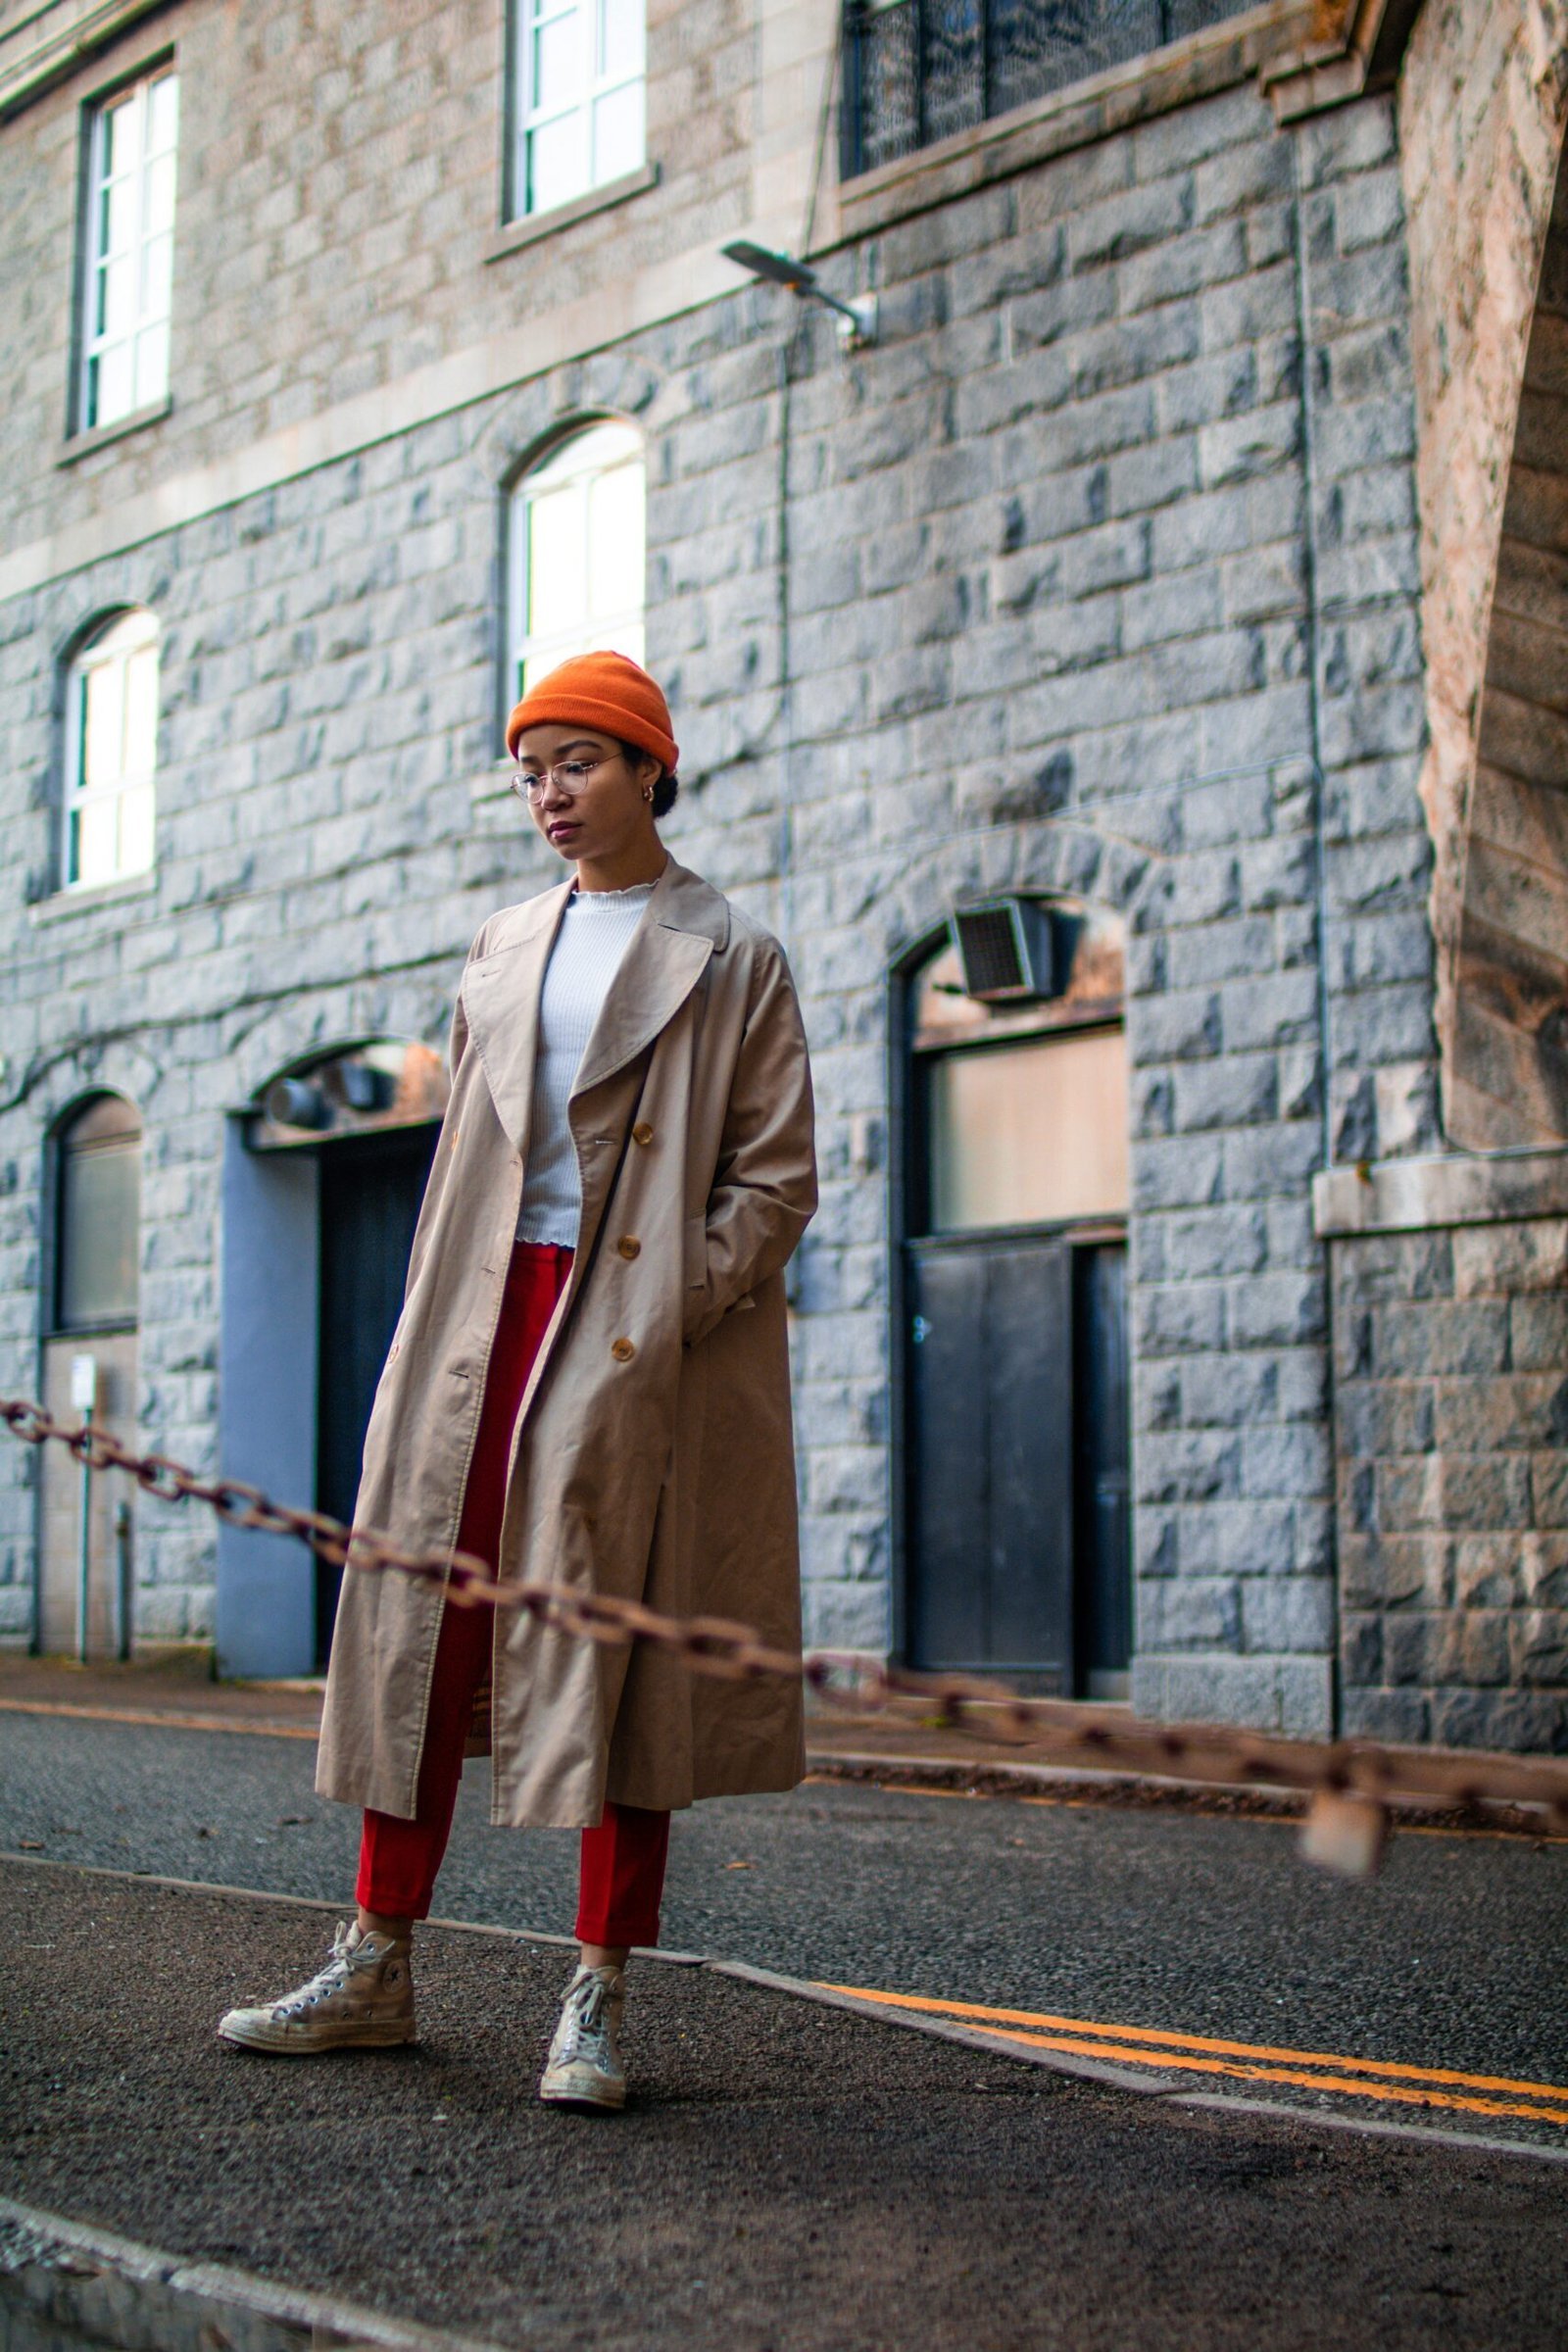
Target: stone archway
1508, 1079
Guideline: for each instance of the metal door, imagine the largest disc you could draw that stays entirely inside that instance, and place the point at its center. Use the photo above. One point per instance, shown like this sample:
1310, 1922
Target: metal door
370, 1195
991, 1456
1104, 1610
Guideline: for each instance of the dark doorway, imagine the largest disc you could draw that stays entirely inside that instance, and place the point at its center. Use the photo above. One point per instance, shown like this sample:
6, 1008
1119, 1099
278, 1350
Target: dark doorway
992, 1491
1015, 1488
371, 1188
1103, 1609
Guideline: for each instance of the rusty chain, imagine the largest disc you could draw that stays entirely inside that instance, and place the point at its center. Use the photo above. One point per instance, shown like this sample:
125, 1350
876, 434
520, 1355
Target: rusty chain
1351, 1781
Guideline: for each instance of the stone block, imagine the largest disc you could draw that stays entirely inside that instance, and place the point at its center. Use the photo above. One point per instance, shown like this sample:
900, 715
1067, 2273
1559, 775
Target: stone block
1238, 1090
1512, 1413
1277, 1310
1287, 1461
1386, 1417
1178, 1172
1188, 1466
1493, 1261
1437, 1337
1174, 1318
1178, 1025
1402, 1718
1225, 1240
1292, 1613
1189, 1612
1484, 1491
1130, 220
1521, 1721
1548, 1490
1537, 1333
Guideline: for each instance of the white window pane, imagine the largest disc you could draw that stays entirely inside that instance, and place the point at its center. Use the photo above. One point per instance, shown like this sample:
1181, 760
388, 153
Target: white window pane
158, 212
121, 150
558, 163
157, 263
113, 393
152, 366
97, 842
141, 713
621, 38
617, 132
615, 540
590, 452
1030, 1134
116, 215
163, 113
558, 586
557, 65
104, 734
116, 308
136, 829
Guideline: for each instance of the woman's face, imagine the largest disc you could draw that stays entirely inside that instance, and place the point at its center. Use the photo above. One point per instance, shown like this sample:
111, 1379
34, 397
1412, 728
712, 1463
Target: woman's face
586, 796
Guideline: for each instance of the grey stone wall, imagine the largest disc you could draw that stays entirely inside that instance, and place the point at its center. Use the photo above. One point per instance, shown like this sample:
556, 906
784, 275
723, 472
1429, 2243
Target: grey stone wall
1451, 1369
340, 176
1078, 590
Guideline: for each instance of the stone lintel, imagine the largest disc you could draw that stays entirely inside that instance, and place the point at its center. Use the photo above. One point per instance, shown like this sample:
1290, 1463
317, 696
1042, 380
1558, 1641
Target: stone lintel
1417, 1196
1363, 55
51, 42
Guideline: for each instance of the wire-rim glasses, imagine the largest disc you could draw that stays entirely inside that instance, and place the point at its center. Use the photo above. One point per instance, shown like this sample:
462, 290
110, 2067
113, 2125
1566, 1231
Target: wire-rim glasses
570, 778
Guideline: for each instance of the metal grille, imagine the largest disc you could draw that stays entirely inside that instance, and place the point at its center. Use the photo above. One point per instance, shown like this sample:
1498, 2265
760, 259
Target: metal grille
916, 70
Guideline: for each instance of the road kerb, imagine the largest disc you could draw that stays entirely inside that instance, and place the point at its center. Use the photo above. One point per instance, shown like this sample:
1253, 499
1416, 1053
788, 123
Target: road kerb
65, 2281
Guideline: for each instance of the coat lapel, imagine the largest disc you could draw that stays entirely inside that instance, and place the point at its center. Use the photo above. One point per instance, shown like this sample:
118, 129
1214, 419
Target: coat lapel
683, 924
500, 996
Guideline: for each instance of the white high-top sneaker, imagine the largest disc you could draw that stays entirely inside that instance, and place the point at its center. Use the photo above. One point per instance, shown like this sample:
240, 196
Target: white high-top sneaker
362, 1999
585, 2067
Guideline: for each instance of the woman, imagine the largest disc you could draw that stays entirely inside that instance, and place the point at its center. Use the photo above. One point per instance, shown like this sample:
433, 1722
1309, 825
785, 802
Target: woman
589, 1384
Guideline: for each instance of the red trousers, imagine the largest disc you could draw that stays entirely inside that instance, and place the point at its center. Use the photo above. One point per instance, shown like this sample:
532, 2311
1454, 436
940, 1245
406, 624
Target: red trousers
623, 1866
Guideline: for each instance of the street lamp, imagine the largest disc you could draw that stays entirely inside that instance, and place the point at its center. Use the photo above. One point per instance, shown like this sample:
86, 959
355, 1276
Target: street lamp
856, 319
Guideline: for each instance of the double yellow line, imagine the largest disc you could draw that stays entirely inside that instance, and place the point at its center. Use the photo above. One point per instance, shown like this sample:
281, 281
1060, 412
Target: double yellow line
1429, 2086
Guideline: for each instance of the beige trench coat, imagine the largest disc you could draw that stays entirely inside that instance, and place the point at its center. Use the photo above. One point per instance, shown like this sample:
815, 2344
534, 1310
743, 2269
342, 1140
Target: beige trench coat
653, 1454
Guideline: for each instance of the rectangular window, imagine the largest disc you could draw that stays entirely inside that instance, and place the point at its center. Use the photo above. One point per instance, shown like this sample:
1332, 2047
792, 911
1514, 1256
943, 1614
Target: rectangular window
914, 73
1029, 1134
128, 250
577, 96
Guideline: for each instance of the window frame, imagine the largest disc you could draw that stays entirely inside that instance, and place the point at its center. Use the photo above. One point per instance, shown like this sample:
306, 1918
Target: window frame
628, 622
525, 19
58, 1156
85, 409
76, 794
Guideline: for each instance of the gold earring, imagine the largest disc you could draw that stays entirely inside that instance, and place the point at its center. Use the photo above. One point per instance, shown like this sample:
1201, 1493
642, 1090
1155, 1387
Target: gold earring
649, 794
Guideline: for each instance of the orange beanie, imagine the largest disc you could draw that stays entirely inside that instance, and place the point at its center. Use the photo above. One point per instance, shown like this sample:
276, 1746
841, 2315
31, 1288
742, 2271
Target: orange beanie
606, 692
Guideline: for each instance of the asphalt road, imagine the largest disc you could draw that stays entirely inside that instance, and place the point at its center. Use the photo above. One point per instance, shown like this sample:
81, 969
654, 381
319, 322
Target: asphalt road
787, 2179
1167, 1922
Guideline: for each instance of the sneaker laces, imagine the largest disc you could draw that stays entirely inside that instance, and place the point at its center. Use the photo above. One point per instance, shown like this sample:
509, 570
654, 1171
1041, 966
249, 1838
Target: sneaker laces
586, 2021
346, 1958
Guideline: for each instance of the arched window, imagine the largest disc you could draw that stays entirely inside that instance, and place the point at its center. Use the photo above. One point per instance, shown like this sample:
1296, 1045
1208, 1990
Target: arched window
98, 1216
111, 752
576, 557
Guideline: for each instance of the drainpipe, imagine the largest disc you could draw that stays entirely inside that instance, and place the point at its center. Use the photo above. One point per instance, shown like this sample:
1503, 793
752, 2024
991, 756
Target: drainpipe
1304, 315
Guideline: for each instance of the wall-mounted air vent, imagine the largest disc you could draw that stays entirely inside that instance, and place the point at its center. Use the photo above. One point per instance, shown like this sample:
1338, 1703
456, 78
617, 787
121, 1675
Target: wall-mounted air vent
1005, 948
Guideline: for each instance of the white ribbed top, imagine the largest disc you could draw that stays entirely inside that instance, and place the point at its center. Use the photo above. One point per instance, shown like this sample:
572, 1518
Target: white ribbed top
594, 935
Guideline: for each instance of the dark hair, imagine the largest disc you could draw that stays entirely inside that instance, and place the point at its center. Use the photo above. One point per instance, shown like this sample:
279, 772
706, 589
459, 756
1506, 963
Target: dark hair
669, 785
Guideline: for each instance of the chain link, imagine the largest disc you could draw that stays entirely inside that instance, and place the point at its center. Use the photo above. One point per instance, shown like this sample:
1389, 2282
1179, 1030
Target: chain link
1351, 1780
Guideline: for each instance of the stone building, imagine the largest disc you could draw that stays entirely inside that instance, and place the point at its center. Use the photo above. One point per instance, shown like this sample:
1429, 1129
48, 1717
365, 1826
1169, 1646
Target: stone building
1128, 670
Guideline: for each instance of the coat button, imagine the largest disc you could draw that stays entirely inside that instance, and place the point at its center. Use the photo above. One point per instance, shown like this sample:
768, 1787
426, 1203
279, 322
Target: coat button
629, 1246
623, 1350
642, 1133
